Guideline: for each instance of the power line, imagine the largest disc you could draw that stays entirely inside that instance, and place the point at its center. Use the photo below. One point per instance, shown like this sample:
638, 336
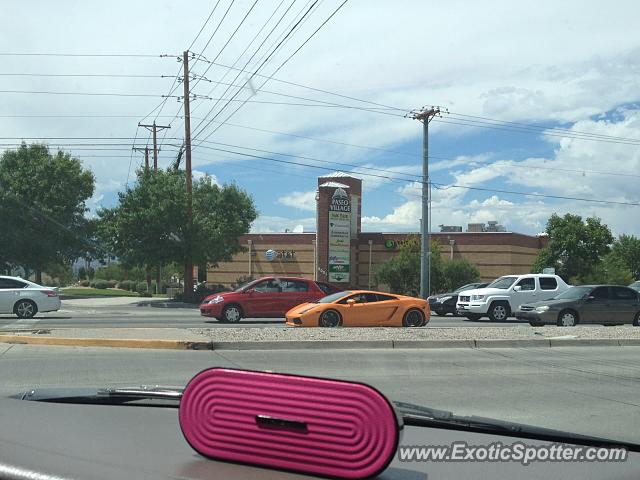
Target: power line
277, 69
100, 75
492, 190
100, 94
204, 24
132, 55
249, 60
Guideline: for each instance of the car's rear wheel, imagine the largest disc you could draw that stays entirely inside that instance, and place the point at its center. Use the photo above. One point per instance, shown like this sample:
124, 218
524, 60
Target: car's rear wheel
25, 309
636, 320
231, 314
330, 319
473, 317
567, 318
413, 318
499, 311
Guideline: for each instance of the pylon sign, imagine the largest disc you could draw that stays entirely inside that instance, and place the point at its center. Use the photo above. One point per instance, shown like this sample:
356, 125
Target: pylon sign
339, 236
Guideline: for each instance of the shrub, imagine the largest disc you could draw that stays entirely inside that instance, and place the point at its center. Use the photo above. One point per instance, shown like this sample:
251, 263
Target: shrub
112, 283
146, 294
126, 285
101, 284
141, 287
85, 283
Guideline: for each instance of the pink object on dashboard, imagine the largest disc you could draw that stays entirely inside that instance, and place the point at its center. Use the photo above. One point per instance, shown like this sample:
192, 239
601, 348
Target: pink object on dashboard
311, 425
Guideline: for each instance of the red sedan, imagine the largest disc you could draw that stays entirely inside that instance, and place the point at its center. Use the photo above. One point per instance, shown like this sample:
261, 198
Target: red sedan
265, 297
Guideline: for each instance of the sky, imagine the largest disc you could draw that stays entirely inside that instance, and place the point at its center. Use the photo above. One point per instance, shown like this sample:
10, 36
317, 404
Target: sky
565, 73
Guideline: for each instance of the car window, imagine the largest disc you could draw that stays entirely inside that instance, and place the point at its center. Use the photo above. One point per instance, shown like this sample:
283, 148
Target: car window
528, 283
382, 298
333, 297
295, 286
268, 286
548, 283
11, 283
326, 288
601, 293
503, 283
360, 298
624, 293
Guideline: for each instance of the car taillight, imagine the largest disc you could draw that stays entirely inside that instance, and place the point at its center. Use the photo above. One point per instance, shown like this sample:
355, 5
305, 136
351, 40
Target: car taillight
50, 293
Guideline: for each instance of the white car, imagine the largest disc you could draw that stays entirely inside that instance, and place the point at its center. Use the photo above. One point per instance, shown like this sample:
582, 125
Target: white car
505, 295
24, 298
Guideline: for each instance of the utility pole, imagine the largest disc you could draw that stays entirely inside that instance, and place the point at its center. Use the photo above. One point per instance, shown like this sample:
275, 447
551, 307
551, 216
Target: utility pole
154, 130
425, 116
146, 155
188, 268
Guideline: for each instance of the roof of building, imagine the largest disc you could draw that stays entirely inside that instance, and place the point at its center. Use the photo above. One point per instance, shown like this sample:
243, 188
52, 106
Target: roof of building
337, 175
334, 185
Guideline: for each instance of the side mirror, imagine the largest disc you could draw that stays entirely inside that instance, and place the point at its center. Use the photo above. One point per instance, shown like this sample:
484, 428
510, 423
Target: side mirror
249, 291
589, 298
517, 288
351, 302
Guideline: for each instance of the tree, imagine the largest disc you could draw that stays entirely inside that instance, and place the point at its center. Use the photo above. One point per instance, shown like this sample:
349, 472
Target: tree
612, 269
627, 249
149, 227
43, 206
458, 272
575, 246
402, 271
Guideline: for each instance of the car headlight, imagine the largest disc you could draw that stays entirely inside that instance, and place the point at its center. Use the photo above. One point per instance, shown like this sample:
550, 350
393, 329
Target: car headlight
443, 299
215, 300
542, 309
477, 297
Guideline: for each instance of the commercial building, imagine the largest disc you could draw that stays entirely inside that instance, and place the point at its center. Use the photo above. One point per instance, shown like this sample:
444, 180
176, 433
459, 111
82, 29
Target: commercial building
340, 253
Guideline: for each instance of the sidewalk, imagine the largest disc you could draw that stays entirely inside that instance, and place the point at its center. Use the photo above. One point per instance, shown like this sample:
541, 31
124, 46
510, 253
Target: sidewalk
287, 338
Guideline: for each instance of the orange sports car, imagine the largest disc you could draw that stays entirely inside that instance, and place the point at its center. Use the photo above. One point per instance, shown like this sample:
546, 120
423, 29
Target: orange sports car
361, 308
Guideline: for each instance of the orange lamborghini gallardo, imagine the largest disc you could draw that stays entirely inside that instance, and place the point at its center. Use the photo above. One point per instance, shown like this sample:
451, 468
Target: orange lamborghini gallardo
361, 308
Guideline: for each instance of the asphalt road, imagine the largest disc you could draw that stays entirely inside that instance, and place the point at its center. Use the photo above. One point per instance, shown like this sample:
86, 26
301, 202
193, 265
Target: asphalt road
105, 314
590, 390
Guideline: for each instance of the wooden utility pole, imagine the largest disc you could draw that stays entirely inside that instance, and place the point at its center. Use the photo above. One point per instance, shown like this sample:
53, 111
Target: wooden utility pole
188, 268
154, 130
146, 155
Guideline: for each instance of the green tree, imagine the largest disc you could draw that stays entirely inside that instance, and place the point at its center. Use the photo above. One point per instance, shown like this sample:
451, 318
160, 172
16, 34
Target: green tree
402, 271
458, 272
612, 269
149, 227
43, 206
575, 246
627, 249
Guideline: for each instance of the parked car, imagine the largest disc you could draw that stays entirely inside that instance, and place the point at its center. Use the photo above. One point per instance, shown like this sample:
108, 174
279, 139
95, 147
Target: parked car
444, 303
504, 295
635, 285
361, 308
606, 304
265, 297
24, 298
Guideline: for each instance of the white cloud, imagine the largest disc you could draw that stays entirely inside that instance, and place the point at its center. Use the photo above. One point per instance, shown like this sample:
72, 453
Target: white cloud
275, 224
301, 200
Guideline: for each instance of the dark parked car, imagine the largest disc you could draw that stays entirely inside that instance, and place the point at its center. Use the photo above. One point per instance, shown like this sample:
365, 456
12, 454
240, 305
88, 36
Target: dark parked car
605, 304
446, 302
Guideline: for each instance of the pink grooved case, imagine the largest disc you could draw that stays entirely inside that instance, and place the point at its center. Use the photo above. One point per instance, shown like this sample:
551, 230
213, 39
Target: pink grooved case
304, 424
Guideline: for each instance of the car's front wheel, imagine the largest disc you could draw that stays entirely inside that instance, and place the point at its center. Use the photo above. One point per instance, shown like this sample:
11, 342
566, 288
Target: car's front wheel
413, 318
25, 309
231, 314
567, 318
636, 320
330, 319
499, 311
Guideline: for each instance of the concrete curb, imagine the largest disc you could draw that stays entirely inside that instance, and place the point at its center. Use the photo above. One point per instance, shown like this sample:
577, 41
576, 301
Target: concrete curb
313, 344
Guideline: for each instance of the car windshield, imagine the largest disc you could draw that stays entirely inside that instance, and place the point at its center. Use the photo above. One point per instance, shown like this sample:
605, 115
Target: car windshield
333, 297
574, 293
502, 283
224, 175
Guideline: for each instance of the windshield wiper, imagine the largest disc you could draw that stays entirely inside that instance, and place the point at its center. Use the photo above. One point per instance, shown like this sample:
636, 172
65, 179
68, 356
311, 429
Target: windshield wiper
163, 396
417, 415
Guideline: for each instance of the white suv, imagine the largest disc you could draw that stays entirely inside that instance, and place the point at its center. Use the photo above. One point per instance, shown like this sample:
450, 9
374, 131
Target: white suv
505, 295
24, 298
